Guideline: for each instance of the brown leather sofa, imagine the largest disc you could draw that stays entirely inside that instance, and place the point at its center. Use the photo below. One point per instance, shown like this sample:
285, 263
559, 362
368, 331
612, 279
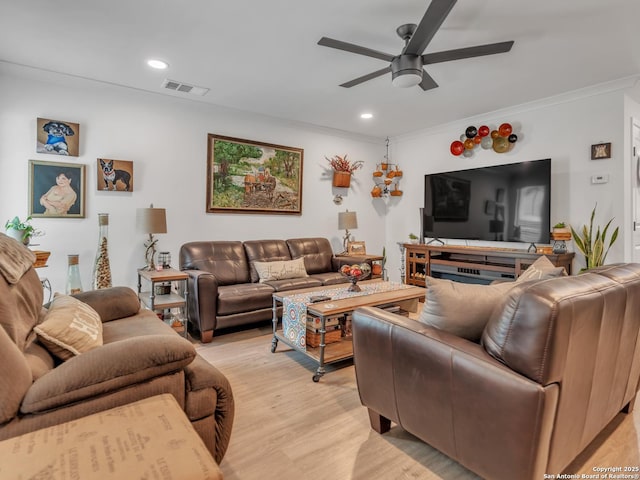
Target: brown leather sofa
558, 360
140, 357
224, 286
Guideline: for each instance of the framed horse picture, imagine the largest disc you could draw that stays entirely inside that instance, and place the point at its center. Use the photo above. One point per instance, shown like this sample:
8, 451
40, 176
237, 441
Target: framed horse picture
244, 176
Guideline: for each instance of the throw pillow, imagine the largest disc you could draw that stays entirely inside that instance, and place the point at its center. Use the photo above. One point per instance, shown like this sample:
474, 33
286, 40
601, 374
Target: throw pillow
541, 269
462, 309
280, 269
70, 327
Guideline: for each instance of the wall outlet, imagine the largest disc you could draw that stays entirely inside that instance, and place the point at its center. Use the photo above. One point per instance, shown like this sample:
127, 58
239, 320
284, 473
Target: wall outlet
600, 178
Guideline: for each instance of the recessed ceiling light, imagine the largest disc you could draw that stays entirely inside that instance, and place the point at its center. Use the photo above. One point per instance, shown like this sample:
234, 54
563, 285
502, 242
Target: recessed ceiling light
366, 115
158, 64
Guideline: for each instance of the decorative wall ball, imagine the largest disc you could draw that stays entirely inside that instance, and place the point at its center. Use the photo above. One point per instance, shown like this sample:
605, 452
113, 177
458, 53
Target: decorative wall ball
513, 138
456, 148
500, 144
495, 133
463, 137
471, 132
468, 144
487, 142
483, 131
467, 153
477, 139
505, 129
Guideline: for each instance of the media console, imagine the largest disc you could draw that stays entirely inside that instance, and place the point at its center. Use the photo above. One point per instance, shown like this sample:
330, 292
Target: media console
471, 264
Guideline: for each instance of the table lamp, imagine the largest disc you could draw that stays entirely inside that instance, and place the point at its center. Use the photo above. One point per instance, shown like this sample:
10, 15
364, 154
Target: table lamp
151, 220
347, 220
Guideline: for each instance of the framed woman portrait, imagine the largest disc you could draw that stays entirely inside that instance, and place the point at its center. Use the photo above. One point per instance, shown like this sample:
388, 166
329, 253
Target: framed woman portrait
56, 189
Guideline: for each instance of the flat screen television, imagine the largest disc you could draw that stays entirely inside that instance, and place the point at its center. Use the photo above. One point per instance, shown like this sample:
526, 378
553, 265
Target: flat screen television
508, 203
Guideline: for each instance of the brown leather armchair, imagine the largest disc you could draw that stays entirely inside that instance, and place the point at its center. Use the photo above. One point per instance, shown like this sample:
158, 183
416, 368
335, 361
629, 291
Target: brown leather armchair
557, 362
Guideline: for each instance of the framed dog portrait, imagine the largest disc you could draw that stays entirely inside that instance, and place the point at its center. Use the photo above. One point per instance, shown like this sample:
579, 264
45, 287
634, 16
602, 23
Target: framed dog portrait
56, 189
244, 176
115, 175
57, 137
356, 248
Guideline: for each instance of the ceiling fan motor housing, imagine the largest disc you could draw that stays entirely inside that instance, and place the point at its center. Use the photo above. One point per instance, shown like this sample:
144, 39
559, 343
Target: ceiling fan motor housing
406, 70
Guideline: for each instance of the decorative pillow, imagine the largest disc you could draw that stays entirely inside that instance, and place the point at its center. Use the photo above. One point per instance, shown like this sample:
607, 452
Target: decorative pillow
462, 309
15, 259
541, 269
280, 269
70, 327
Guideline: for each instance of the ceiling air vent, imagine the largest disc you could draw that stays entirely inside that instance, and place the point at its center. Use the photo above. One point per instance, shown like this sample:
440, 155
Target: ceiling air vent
184, 88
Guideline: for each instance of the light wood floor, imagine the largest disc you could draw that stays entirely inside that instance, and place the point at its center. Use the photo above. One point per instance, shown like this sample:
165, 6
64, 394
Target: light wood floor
289, 428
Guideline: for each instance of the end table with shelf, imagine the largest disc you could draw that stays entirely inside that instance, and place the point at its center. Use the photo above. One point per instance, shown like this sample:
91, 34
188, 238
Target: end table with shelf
175, 298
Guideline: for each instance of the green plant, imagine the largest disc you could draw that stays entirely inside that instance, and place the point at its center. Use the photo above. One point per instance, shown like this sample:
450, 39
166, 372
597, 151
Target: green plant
560, 225
413, 236
594, 248
24, 226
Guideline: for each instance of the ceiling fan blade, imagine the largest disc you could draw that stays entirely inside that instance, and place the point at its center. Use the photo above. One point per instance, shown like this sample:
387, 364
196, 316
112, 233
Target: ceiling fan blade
427, 82
468, 52
429, 25
350, 47
364, 78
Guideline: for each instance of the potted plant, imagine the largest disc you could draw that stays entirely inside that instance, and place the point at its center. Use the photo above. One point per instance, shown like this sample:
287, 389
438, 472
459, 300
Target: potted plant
21, 230
342, 170
413, 238
594, 248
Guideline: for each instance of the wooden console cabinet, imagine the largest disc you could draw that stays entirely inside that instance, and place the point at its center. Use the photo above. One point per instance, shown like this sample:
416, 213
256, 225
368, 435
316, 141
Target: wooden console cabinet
483, 263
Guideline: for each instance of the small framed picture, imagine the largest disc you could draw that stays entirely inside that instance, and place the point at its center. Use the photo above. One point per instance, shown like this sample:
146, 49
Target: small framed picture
56, 189
57, 137
356, 248
600, 151
115, 175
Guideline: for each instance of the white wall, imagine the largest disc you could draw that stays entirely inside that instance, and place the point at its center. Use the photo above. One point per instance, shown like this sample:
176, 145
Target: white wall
166, 138
561, 128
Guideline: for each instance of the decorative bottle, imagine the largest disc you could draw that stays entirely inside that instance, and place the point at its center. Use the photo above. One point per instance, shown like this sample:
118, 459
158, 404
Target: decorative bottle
101, 268
74, 285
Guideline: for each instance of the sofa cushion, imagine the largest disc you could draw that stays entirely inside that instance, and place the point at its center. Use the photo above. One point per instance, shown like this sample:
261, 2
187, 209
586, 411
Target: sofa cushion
15, 379
317, 253
39, 360
70, 327
294, 283
224, 259
462, 309
111, 303
244, 297
280, 269
20, 306
265, 251
330, 278
541, 269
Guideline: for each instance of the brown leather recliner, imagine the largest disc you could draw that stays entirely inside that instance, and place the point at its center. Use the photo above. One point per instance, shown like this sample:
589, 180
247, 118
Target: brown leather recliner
557, 362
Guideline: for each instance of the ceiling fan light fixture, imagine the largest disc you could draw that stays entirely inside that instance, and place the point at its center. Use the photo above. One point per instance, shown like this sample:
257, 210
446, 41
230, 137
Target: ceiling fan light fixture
406, 71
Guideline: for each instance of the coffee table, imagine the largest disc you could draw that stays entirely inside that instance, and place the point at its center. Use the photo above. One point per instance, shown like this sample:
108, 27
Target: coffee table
375, 294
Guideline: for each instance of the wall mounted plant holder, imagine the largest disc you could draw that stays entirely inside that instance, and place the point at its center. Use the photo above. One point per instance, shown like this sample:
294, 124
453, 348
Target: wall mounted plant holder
342, 170
386, 178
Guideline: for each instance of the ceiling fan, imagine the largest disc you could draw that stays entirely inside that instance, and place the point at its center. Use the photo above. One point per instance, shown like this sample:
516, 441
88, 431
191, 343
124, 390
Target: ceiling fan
407, 68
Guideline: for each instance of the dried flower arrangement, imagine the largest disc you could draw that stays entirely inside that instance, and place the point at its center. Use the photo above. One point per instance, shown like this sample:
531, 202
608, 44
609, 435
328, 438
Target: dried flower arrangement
341, 164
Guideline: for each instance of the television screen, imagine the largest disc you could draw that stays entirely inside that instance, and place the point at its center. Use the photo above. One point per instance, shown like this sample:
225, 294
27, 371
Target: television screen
498, 203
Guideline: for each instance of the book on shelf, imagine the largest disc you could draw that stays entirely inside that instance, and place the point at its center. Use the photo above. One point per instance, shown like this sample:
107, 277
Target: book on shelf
327, 329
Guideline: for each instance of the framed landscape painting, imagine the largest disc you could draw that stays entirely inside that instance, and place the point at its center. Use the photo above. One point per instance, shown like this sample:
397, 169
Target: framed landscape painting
244, 176
56, 189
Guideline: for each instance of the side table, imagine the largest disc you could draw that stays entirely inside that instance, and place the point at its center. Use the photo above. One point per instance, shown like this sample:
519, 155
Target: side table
174, 298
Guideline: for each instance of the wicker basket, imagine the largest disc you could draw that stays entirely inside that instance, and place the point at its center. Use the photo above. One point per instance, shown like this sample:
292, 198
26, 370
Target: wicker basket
41, 258
313, 339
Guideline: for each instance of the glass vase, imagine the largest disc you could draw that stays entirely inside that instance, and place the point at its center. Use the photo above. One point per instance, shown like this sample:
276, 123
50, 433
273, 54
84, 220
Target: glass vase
101, 268
74, 284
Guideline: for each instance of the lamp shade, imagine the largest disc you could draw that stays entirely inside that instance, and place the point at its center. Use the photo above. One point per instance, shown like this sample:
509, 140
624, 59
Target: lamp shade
151, 220
347, 220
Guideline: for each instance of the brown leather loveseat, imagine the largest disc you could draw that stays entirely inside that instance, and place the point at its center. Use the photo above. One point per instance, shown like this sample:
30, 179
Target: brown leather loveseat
225, 288
139, 357
558, 360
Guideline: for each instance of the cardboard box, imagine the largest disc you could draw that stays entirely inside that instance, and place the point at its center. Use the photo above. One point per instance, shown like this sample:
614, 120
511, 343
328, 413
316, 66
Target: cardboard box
152, 438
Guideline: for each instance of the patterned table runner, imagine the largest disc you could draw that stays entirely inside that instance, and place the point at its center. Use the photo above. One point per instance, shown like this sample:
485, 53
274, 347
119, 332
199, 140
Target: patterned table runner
294, 307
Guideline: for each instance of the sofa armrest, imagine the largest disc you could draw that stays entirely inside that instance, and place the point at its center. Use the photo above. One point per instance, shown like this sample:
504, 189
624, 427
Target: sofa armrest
202, 299
461, 390
202, 376
113, 366
111, 303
